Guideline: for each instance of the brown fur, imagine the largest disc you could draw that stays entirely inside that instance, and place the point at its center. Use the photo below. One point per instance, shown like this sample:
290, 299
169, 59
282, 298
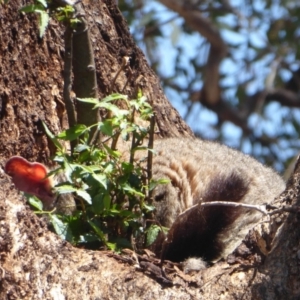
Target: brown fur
206, 171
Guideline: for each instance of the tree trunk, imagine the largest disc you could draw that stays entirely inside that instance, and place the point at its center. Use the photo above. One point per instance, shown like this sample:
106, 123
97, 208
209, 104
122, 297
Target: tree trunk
35, 263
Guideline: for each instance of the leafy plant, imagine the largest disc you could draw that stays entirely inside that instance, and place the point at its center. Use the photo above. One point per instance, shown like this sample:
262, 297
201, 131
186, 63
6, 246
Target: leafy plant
45, 9
39, 7
110, 187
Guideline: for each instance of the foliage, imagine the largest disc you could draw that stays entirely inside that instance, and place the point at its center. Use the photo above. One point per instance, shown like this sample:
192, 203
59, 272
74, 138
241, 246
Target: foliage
39, 7
259, 76
110, 188
45, 9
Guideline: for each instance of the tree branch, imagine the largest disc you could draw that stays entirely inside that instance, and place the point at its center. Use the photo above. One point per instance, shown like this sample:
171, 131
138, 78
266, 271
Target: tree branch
218, 49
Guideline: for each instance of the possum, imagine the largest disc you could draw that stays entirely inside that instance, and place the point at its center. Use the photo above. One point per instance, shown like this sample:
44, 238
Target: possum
203, 171
198, 171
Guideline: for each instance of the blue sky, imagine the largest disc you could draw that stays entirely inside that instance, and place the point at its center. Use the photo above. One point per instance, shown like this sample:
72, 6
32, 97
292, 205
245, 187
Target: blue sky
253, 76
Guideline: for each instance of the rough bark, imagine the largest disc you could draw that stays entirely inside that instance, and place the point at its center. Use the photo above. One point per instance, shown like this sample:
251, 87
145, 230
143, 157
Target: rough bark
31, 86
112, 43
35, 263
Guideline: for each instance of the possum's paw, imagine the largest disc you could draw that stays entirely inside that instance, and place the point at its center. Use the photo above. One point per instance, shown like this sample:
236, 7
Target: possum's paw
194, 264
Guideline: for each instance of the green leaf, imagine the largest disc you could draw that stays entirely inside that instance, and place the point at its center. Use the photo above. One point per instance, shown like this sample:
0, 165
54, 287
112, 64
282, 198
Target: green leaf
127, 213
88, 238
127, 167
60, 227
109, 167
113, 97
106, 201
132, 191
152, 234
84, 195
111, 246
101, 203
35, 202
68, 170
54, 172
154, 183
106, 127
148, 207
72, 133
140, 93
88, 100
66, 188
43, 22
98, 231
101, 178
43, 2
125, 135
74, 22
163, 181
111, 152
113, 108
28, 8
52, 137
120, 243
81, 147
78, 168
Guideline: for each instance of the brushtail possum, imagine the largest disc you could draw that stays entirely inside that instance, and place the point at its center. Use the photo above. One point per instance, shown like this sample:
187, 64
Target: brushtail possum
203, 171
198, 171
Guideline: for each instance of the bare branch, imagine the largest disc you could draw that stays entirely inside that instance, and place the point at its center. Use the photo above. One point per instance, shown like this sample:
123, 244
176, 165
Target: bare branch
260, 208
218, 49
284, 97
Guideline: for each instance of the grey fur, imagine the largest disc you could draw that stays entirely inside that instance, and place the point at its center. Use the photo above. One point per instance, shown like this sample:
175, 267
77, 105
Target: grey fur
193, 264
192, 166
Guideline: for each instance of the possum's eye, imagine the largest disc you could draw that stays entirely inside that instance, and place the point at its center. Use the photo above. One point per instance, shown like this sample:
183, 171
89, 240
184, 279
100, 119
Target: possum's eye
159, 197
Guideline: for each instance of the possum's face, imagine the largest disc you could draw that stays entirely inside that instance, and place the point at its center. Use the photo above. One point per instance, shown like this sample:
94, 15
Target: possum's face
167, 201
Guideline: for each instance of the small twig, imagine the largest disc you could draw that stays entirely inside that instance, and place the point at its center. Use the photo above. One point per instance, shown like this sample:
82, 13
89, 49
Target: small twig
128, 78
133, 139
260, 208
94, 137
151, 29
125, 61
285, 208
71, 111
115, 141
150, 153
264, 209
